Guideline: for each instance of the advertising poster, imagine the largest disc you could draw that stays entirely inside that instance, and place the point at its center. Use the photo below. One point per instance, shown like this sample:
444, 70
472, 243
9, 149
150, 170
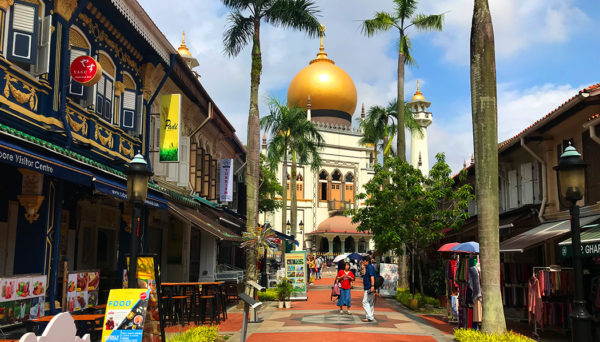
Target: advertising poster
389, 272
8, 288
170, 109
21, 298
295, 272
125, 315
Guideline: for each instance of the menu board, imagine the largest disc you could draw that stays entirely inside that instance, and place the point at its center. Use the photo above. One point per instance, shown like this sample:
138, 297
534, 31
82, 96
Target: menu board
82, 290
22, 298
146, 279
125, 315
295, 271
389, 272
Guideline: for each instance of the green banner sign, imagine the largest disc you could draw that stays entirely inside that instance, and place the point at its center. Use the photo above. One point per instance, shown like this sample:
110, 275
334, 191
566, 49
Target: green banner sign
587, 250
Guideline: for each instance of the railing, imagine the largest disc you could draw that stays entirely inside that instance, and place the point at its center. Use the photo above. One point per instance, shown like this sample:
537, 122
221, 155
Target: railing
339, 205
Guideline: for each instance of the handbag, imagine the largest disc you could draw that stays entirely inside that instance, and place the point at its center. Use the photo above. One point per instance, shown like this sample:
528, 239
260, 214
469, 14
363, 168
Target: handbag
335, 290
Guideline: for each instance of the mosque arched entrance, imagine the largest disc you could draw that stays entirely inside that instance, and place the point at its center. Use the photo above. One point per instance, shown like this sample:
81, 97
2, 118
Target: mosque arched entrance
324, 248
349, 244
337, 245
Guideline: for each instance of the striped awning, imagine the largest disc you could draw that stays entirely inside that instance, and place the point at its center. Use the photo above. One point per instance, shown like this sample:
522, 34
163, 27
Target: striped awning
590, 243
587, 236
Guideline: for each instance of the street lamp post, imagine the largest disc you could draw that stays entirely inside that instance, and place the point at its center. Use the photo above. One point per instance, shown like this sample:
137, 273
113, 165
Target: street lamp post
137, 190
571, 186
301, 226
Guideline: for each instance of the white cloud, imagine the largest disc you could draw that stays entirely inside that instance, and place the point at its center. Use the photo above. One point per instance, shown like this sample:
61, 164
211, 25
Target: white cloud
518, 25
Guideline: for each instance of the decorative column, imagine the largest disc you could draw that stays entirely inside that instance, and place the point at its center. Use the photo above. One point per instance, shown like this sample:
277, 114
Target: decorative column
330, 240
356, 241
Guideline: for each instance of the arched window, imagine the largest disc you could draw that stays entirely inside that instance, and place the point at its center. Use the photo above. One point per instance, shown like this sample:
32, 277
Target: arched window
27, 46
105, 88
80, 46
130, 120
349, 188
300, 187
336, 186
323, 186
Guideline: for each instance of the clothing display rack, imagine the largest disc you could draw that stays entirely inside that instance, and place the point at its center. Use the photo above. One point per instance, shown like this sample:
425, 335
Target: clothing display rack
465, 302
555, 289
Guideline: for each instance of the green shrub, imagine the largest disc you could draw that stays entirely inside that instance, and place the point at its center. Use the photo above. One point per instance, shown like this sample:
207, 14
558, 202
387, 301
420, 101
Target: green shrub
284, 289
268, 296
404, 296
470, 335
198, 334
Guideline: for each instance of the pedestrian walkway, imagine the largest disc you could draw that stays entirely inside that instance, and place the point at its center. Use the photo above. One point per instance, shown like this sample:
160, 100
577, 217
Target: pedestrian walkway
318, 319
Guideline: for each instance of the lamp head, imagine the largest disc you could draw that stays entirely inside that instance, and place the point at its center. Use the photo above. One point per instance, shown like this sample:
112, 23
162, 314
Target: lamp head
571, 176
137, 179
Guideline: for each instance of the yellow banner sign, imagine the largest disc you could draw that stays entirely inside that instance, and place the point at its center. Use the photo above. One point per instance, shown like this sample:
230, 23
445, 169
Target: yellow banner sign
170, 110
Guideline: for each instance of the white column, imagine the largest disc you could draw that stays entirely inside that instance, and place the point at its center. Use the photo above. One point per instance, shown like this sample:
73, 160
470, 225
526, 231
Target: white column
330, 244
356, 245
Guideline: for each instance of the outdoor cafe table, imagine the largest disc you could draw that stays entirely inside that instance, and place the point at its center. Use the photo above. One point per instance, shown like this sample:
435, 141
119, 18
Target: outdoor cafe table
81, 319
181, 288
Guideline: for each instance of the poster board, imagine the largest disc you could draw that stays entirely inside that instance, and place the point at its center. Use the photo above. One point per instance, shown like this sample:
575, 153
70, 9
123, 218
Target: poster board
295, 271
170, 114
148, 277
22, 298
82, 290
125, 315
389, 272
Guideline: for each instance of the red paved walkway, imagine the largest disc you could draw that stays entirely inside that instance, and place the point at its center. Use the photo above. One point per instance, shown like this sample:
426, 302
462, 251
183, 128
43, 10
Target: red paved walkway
335, 336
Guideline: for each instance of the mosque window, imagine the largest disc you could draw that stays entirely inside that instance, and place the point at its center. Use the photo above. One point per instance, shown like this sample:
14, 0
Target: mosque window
336, 176
323, 186
299, 187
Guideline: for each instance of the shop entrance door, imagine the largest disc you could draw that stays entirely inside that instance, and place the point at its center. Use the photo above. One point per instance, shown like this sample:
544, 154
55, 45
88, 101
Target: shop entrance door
8, 233
195, 239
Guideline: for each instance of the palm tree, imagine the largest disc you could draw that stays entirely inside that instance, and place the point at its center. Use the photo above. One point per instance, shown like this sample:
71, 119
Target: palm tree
402, 18
292, 134
245, 19
485, 142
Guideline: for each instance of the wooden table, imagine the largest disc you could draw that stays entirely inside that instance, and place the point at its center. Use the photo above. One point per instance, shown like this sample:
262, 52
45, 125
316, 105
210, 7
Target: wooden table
79, 320
92, 317
100, 307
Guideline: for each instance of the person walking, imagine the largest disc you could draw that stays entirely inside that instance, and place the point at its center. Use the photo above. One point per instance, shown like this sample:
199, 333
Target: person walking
319, 264
369, 288
345, 277
311, 267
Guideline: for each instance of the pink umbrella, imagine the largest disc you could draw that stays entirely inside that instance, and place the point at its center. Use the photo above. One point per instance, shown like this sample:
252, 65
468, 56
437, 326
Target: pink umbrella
447, 247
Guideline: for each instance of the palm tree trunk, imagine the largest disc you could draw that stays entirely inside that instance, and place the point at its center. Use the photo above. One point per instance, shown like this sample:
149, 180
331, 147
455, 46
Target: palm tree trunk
294, 199
485, 141
400, 142
252, 158
284, 203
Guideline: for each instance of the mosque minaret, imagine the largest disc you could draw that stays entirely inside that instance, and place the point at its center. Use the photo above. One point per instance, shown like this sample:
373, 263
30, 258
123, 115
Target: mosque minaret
419, 154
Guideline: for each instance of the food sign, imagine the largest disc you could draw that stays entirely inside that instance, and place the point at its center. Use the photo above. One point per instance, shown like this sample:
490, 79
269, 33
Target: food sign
125, 315
86, 70
146, 279
22, 298
295, 271
82, 290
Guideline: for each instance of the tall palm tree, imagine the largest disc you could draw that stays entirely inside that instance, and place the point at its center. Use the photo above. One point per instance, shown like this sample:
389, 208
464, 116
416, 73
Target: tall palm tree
245, 19
402, 18
485, 142
292, 135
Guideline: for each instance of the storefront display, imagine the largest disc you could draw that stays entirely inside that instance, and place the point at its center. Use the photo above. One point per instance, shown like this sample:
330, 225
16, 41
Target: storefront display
82, 290
21, 298
550, 294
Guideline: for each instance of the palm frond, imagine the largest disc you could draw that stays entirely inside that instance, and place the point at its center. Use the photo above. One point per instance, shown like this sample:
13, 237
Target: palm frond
411, 123
431, 22
382, 21
405, 47
238, 34
238, 5
405, 8
296, 14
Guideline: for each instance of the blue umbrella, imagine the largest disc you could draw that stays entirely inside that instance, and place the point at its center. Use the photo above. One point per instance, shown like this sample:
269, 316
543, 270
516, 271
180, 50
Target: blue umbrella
466, 247
354, 256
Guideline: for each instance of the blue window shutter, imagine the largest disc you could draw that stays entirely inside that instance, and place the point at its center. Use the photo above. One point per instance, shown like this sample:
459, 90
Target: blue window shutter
128, 112
76, 88
23, 32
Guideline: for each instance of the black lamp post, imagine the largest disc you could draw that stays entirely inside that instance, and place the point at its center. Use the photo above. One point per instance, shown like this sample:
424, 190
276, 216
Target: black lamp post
137, 190
571, 186
288, 231
301, 226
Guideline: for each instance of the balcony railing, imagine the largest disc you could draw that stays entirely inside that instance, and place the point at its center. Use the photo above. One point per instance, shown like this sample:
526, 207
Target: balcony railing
339, 205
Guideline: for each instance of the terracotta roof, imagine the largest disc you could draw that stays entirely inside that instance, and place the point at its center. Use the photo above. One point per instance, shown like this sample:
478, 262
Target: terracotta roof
508, 142
338, 224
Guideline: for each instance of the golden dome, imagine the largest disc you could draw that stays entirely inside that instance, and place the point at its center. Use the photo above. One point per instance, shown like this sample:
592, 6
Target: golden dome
332, 92
418, 95
183, 50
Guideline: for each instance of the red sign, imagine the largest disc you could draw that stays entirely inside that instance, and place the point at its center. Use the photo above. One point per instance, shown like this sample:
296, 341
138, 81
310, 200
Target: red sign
86, 70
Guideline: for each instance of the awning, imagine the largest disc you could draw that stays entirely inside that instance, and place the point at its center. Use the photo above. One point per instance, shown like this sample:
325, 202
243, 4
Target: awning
202, 222
286, 237
541, 233
118, 189
590, 243
23, 157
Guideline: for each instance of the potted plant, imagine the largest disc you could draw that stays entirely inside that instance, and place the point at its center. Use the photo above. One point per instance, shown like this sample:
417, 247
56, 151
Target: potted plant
284, 292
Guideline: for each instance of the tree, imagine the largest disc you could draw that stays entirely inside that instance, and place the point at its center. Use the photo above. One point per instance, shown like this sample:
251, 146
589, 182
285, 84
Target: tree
269, 188
485, 142
245, 19
292, 135
404, 207
402, 18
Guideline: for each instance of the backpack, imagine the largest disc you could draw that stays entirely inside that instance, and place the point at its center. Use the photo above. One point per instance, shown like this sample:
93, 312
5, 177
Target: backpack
378, 282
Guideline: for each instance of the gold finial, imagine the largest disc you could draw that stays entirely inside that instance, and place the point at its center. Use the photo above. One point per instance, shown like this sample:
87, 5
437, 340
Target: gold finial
183, 50
322, 34
418, 95
322, 54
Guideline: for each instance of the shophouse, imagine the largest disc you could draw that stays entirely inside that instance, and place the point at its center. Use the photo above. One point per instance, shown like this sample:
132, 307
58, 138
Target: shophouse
64, 147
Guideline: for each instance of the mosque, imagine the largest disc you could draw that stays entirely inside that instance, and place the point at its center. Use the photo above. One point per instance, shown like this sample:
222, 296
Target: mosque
329, 95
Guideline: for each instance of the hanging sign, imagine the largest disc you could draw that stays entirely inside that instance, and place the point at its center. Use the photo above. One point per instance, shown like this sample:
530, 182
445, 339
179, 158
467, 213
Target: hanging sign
295, 272
170, 110
389, 272
125, 315
226, 186
86, 70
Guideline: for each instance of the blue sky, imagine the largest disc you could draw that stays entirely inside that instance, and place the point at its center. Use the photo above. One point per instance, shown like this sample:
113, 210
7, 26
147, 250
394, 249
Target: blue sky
546, 50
